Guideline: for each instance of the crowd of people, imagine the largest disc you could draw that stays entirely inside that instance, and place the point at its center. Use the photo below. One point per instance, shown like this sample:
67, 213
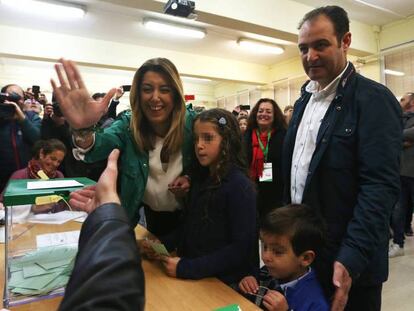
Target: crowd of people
316, 184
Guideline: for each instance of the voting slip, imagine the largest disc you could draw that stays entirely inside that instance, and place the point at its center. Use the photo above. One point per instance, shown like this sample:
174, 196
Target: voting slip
233, 307
160, 249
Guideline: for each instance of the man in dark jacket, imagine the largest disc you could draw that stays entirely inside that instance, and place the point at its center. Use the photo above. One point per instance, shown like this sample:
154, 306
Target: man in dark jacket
18, 133
404, 206
341, 157
107, 273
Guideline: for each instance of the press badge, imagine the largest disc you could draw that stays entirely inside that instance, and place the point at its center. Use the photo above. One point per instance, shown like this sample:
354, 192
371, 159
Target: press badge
267, 175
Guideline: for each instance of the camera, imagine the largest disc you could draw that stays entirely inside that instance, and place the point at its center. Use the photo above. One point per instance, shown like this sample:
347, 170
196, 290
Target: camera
36, 91
181, 8
8, 111
11, 97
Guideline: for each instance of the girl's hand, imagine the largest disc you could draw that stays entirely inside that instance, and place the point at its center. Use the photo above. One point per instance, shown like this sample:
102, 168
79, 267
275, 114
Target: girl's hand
147, 250
180, 186
248, 285
170, 265
275, 301
77, 106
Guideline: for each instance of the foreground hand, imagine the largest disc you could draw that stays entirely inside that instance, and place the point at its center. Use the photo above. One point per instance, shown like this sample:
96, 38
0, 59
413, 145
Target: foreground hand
275, 301
342, 281
89, 198
180, 186
170, 265
77, 106
248, 285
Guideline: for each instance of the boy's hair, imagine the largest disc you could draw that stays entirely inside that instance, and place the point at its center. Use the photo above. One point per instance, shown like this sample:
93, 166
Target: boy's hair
301, 223
337, 15
232, 152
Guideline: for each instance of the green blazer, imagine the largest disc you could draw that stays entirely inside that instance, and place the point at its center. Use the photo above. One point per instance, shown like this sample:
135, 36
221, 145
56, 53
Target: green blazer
133, 164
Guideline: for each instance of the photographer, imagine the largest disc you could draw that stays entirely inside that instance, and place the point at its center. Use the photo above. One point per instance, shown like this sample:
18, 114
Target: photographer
19, 130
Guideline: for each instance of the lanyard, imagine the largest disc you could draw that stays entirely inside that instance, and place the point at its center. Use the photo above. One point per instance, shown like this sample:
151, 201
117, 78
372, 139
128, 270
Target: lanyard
264, 150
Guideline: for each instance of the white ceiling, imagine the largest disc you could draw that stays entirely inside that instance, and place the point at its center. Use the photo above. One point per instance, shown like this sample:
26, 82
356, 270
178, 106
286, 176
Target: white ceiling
111, 22
107, 21
372, 12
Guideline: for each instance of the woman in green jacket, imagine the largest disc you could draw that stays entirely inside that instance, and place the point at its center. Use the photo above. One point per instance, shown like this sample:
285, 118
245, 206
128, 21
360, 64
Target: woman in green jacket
154, 138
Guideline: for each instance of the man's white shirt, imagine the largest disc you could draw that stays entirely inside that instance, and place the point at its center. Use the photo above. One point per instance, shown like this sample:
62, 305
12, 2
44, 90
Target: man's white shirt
307, 133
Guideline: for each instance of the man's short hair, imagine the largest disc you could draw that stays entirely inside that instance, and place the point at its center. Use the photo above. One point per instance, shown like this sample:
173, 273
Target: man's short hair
336, 15
301, 223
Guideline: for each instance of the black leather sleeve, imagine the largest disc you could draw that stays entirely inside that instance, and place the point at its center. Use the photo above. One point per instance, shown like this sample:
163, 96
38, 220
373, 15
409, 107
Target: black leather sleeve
107, 273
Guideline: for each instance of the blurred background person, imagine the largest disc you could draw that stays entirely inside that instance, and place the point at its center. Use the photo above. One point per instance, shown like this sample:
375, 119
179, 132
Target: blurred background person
264, 141
287, 112
47, 156
243, 113
19, 130
404, 208
243, 120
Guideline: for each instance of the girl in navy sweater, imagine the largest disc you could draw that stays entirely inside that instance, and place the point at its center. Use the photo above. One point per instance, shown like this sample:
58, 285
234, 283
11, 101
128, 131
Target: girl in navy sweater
217, 235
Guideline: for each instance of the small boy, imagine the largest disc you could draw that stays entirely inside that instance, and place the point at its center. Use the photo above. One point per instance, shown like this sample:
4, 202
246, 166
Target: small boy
291, 237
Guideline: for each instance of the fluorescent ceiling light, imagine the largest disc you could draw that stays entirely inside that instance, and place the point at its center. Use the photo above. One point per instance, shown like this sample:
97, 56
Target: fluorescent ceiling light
56, 10
394, 72
195, 79
260, 47
174, 29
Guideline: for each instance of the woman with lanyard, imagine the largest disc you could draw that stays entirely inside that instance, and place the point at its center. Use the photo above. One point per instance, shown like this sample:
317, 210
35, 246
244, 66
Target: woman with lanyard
264, 141
155, 138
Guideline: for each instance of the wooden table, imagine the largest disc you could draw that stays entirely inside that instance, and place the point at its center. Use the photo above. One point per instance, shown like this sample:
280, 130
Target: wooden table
162, 292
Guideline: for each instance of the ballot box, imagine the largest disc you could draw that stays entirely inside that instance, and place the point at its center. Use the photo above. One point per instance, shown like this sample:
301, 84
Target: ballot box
41, 235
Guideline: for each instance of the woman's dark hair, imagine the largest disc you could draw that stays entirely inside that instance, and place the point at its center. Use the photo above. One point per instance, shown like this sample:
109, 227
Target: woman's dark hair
278, 118
301, 223
231, 145
47, 146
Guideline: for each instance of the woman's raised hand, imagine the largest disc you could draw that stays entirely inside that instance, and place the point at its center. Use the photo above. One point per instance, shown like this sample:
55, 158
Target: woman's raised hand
78, 107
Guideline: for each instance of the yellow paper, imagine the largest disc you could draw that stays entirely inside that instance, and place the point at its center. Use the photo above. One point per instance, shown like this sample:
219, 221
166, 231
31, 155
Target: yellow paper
48, 199
42, 175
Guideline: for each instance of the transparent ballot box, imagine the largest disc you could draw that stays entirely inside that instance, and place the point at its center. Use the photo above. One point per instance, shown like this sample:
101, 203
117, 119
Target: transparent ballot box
41, 235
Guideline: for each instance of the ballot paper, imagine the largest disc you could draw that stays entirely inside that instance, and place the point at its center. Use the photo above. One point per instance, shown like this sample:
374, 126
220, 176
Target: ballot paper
47, 184
55, 218
60, 238
41, 271
233, 307
160, 249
